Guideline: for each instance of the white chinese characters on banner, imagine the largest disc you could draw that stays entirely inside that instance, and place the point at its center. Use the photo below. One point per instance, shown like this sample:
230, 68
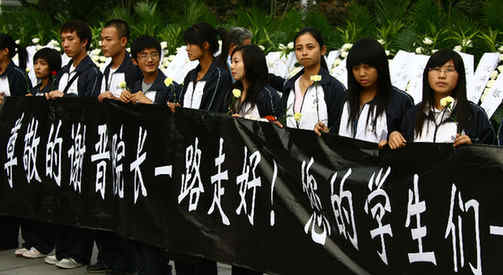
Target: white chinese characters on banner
101, 156
31, 142
11, 151
117, 154
218, 189
245, 184
141, 156
53, 153
318, 225
192, 184
342, 205
76, 155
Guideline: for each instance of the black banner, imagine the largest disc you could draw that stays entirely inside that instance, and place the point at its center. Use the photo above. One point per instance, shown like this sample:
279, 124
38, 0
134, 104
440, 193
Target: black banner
247, 193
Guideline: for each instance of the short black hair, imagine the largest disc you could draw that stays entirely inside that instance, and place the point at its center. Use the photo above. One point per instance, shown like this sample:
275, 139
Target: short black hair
120, 25
202, 32
145, 42
81, 28
51, 56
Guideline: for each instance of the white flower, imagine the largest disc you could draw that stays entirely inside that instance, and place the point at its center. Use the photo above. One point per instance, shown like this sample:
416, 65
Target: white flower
282, 47
165, 63
128, 50
95, 58
381, 41
500, 49
490, 83
57, 49
53, 43
387, 52
347, 47
467, 43
419, 50
102, 59
458, 48
99, 43
236, 93
344, 54
171, 58
290, 46
501, 57
434, 50
95, 52
123, 85
316, 78
164, 45
27, 70
18, 41
337, 62
446, 101
500, 68
297, 117
168, 81
35, 40
38, 48
494, 75
261, 47
427, 41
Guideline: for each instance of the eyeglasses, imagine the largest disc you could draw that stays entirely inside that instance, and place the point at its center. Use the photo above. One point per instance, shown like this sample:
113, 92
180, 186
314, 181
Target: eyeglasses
438, 70
145, 56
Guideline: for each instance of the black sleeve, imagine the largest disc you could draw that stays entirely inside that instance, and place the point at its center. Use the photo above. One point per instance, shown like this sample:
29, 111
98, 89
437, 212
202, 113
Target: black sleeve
223, 92
269, 103
19, 84
484, 132
335, 104
277, 82
408, 125
92, 86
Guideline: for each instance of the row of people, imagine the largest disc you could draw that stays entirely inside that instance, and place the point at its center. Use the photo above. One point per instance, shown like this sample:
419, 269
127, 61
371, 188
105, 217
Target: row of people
371, 109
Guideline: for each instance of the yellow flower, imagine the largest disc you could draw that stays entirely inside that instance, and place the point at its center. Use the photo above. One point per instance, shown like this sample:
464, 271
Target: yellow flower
446, 101
316, 77
123, 85
168, 81
297, 116
236, 93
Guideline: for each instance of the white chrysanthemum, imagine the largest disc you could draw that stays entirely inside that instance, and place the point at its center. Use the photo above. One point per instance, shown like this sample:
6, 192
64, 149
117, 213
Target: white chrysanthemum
164, 45
96, 52
419, 50
387, 52
261, 47
344, 54
171, 58
282, 47
467, 43
38, 48
17, 41
102, 59
434, 51
347, 46
337, 62
494, 75
381, 41
35, 40
53, 43
427, 41
458, 48
500, 49
290, 45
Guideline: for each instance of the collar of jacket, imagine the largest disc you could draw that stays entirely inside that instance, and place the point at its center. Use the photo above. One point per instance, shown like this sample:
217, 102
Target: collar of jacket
325, 76
83, 65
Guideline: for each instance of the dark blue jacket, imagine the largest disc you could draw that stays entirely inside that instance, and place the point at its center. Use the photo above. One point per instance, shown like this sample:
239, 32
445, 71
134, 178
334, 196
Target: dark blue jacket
131, 72
218, 86
479, 128
18, 81
268, 102
164, 93
89, 80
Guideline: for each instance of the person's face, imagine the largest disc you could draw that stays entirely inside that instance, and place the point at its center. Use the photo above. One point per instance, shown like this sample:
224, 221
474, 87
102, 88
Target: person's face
308, 50
194, 51
237, 66
111, 43
148, 60
4, 54
41, 68
72, 45
443, 80
365, 75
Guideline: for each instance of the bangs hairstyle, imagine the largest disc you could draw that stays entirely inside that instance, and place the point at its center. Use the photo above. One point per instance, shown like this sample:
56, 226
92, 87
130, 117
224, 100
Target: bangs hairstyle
144, 42
462, 108
81, 28
317, 36
51, 56
370, 52
202, 32
255, 72
6, 42
120, 25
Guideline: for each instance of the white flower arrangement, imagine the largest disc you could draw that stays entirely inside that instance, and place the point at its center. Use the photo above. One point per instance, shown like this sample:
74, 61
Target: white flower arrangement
346, 47
381, 41
427, 41
500, 49
466, 43
164, 45
261, 47
458, 48
290, 45
35, 40
419, 50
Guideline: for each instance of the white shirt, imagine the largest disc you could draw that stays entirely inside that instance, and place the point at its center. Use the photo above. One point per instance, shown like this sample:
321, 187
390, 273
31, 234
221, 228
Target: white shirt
250, 113
65, 78
193, 95
364, 131
313, 108
114, 82
438, 131
4, 85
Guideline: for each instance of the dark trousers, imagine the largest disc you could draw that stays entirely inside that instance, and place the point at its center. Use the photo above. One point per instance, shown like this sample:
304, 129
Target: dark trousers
76, 243
151, 260
115, 252
9, 232
196, 267
40, 235
243, 271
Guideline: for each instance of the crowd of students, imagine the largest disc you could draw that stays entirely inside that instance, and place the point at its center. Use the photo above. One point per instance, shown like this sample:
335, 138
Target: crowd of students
371, 109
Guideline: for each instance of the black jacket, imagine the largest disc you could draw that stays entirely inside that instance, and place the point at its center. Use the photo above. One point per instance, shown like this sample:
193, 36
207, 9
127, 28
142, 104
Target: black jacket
164, 93
37, 92
268, 102
89, 80
479, 128
218, 85
131, 72
400, 103
335, 93
18, 81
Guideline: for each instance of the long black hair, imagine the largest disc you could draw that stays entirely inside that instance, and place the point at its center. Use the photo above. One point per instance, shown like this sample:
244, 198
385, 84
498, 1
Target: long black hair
6, 42
317, 36
256, 73
370, 52
462, 108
